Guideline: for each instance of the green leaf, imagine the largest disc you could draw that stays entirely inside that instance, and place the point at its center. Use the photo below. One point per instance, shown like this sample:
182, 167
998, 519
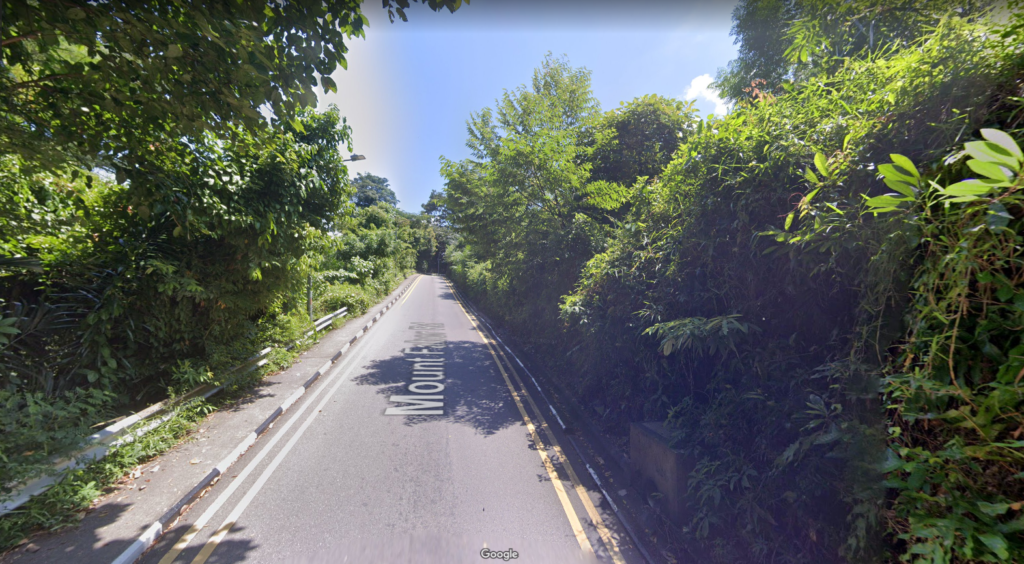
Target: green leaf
892, 462
993, 509
1004, 140
996, 543
901, 187
173, 52
906, 164
989, 170
886, 200
789, 220
892, 173
962, 199
967, 188
821, 164
992, 153
998, 216
1004, 293
328, 84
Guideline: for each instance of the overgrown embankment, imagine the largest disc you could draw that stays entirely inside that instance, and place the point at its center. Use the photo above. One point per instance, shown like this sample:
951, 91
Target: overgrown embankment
125, 294
221, 194
843, 370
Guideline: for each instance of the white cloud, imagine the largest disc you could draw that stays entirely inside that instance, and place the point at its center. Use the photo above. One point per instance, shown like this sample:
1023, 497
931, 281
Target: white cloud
700, 88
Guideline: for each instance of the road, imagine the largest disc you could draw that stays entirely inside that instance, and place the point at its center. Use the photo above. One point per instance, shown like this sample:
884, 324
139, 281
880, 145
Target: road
423, 444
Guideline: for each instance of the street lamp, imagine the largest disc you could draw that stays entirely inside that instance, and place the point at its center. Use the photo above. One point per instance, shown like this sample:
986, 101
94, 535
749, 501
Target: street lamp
354, 157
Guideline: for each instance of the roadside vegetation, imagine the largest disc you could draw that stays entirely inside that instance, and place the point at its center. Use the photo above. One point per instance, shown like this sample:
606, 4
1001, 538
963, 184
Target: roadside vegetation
821, 293
167, 194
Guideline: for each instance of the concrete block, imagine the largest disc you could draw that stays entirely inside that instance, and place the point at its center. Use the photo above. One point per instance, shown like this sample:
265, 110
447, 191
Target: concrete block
655, 467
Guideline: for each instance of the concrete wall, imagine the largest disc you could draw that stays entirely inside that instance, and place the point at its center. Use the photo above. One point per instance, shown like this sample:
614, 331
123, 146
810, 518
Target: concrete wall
655, 467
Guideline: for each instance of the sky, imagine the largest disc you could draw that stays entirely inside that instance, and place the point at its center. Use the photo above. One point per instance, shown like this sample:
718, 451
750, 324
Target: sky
411, 86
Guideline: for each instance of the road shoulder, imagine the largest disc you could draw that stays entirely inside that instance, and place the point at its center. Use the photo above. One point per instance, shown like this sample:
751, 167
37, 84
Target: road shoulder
116, 520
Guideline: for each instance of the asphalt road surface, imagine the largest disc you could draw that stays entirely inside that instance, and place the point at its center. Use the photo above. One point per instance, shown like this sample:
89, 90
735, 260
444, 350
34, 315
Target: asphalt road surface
423, 444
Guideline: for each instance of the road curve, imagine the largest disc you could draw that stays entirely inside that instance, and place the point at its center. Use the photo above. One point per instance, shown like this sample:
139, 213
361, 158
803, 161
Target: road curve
423, 444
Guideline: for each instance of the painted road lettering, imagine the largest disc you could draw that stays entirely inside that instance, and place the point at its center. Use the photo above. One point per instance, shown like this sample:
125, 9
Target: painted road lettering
426, 355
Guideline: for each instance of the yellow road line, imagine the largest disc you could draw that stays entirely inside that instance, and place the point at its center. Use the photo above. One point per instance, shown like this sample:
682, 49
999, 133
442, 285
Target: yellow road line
595, 516
213, 542
411, 288
181, 545
570, 513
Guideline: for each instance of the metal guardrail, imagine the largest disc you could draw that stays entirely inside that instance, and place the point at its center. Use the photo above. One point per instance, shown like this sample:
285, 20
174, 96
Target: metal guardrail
126, 430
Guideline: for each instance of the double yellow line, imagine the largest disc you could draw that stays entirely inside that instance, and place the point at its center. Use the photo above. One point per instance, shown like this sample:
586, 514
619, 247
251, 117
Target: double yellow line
606, 536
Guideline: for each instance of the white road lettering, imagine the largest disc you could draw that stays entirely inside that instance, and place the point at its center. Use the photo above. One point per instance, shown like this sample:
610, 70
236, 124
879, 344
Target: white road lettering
428, 363
420, 405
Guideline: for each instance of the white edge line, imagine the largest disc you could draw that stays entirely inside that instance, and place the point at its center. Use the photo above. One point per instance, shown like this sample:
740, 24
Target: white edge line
156, 530
237, 453
625, 524
140, 544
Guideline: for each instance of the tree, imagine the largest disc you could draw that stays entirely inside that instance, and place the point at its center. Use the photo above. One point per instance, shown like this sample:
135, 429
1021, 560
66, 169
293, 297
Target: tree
435, 208
372, 190
146, 271
759, 28
94, 81
640, 138
533, 148
781, 40
525, 203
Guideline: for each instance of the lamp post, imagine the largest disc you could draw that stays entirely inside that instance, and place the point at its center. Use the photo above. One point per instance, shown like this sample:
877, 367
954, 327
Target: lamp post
309, 294
309, 276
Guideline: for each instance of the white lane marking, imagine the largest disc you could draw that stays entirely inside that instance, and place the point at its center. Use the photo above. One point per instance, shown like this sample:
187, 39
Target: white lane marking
223, 498
255, 489
551, 405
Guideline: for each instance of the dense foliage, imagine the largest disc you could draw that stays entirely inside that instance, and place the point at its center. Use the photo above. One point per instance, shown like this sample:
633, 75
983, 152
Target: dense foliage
165, 196
755, 288
120, 295
95, 82
372, 189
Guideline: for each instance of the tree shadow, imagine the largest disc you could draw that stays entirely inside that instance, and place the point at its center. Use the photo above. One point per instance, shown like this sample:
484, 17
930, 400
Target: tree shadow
79, 542
230, 549
475, 394
238, 400
233, 550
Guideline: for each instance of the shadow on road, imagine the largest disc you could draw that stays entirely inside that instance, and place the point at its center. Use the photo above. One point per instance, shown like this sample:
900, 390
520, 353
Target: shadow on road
475, 393
79, 543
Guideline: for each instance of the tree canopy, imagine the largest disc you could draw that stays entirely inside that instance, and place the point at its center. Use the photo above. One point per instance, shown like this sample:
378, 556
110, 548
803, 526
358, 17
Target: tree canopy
818, 293
371, 190
781, 41
93, 82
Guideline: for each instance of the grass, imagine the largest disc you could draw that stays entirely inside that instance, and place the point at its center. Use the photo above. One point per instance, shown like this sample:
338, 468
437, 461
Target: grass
68, 501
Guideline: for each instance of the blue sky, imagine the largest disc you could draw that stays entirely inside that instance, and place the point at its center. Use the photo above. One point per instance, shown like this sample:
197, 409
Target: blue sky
411, 86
